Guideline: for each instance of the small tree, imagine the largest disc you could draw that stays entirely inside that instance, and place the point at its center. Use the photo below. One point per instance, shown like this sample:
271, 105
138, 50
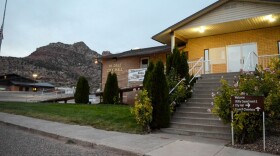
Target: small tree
111, 91
159, 95
82, 91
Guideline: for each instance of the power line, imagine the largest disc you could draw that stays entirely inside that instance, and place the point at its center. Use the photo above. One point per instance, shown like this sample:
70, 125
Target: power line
2, 26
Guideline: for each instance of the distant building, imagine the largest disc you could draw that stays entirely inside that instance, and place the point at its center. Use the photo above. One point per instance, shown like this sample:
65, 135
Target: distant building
130, 66
14, 82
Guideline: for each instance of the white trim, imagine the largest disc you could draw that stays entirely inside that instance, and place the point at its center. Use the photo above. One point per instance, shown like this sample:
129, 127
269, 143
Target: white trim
278, 47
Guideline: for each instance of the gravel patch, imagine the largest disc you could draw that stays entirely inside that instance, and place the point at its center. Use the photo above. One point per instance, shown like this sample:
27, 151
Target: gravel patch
272, 145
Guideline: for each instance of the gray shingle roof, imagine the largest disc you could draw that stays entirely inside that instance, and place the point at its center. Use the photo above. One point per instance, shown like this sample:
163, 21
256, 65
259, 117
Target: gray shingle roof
140, 52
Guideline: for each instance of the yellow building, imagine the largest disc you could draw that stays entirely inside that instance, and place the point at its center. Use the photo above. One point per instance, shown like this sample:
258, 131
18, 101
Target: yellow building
228, 36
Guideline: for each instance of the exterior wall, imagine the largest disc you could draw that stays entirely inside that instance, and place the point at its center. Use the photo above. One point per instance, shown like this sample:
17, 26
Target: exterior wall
14, 88
266, 39
121, 66
233, 11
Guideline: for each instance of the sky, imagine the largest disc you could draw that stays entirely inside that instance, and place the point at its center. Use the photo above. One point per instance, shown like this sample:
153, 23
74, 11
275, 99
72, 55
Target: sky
104, 25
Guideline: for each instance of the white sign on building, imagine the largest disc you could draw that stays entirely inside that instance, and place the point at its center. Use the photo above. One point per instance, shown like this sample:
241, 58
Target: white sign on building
136, 75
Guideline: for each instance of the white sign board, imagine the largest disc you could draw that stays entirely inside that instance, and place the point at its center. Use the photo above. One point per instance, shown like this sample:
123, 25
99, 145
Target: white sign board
136, 75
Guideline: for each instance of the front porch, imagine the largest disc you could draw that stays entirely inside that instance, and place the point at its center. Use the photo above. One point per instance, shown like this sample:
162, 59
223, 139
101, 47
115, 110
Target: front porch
248, 63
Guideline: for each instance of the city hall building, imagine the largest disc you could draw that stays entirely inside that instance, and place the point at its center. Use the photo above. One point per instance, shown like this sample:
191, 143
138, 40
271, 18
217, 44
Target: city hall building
227, 36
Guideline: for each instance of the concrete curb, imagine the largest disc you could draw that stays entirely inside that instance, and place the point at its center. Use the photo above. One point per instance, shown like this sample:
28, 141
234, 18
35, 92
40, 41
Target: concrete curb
71, 140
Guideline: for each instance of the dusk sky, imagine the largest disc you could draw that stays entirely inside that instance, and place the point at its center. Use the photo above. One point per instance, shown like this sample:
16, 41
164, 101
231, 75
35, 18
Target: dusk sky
114, 25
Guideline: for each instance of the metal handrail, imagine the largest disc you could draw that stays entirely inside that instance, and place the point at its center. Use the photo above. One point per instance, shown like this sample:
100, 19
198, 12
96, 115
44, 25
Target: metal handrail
196, 74
269, 55
247, 60
200, 60
184, 78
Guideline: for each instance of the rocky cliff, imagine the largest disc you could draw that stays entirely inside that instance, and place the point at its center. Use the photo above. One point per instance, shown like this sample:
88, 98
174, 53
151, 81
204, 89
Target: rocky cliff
57, 63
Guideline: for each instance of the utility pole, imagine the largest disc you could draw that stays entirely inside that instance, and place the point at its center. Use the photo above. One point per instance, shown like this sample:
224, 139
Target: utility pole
2, 27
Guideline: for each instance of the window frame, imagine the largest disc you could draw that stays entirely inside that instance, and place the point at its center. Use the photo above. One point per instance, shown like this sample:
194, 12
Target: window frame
144, 58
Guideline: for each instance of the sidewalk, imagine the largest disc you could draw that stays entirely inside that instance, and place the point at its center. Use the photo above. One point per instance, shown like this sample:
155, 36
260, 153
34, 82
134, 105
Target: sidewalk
157, 144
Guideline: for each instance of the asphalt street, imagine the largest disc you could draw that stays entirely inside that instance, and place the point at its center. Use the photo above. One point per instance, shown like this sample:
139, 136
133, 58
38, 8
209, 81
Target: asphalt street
15, 142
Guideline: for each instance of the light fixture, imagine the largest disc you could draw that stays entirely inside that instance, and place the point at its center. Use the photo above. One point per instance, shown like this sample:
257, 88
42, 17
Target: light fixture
96, 61
201, 29
270, 18
35, 75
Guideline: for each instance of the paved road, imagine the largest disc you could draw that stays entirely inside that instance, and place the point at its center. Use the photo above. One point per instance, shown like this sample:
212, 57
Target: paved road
15, 142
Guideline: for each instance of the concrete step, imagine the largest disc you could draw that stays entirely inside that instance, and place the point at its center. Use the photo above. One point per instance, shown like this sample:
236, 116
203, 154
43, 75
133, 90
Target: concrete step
194, 109
218, 80
198, 95
205, 92
204, 121
195, 104
205, 88
212, 85
225, 136
201, 100
199, 127
195, 114
221, 74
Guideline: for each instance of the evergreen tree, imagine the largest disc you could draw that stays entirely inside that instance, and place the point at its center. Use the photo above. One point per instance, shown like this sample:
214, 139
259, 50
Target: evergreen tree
147, 78
111, 91
169, 63
82, 91
184, 67
115, 89
107, 94
176, 62
159, 95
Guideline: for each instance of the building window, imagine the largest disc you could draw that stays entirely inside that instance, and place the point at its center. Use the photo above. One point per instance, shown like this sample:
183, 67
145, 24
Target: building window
144, 62
206, 59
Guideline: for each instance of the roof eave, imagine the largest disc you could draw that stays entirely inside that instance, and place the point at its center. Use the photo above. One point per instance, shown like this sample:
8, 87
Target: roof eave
189, 19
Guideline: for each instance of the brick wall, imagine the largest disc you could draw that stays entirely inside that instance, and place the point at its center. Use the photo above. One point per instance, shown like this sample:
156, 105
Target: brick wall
121, 66
265, 38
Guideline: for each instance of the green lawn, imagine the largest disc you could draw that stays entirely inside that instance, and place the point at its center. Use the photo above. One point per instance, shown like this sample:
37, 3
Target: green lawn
107, 117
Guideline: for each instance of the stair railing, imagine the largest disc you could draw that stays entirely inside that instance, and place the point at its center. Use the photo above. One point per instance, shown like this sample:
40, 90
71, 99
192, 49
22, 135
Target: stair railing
250, 61
183, 79
201, 60
265, 59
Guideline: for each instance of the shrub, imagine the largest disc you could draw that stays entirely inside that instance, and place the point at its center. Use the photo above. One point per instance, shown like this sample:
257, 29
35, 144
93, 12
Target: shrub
159, 96
82, 91
111, 91
222, 107
143, 110
248, 126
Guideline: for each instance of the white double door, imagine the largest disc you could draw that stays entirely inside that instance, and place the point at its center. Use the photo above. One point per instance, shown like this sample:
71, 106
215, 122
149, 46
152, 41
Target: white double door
241, 56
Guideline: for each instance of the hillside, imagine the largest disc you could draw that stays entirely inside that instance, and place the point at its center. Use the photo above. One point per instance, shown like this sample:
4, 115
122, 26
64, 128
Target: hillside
58, 63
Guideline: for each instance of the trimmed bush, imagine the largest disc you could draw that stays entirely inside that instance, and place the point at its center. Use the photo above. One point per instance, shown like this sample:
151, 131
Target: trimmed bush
111, 91
82, 91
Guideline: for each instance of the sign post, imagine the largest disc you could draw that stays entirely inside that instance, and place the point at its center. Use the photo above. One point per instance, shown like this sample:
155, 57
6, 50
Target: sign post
248, 104
232, 132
